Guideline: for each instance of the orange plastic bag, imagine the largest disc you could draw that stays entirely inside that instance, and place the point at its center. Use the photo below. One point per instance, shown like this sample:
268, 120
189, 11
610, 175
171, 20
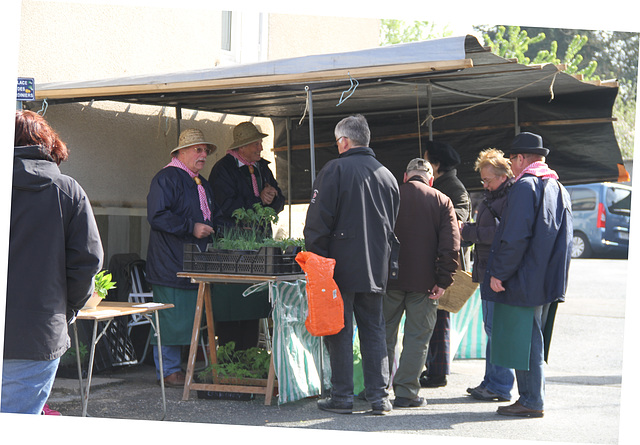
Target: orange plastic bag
326, 309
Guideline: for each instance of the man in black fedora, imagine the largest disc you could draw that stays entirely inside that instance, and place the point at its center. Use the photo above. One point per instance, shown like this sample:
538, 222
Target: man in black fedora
527, 271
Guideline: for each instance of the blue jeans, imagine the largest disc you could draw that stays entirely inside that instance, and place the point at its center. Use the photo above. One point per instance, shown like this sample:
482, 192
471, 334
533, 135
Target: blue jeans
497, 379
531, 383
26, 385
367, 309
171, 360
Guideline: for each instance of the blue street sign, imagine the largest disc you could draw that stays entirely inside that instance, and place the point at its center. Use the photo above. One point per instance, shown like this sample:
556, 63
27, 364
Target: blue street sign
26, 89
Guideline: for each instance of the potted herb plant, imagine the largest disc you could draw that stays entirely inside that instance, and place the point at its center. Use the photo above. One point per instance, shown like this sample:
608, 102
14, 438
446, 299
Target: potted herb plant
102, 283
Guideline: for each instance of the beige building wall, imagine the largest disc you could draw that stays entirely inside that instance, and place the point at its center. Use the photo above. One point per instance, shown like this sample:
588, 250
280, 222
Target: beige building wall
116, 148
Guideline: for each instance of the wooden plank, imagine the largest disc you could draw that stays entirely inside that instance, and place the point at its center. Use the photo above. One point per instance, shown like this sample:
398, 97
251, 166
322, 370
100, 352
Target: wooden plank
415, 135
256, 81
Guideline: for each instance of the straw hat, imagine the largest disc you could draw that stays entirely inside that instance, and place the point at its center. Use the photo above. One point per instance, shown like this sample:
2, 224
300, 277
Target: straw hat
192, 136
245, 133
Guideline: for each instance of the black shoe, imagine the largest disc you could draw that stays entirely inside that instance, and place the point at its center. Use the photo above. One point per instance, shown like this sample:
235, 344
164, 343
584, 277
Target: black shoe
381, 408
335, 407
470, 390
405, 402
433, 381
487, 395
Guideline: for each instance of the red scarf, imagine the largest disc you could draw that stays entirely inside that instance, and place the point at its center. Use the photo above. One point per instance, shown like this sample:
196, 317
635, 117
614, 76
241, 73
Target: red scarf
251, 166
204, 205
539, 169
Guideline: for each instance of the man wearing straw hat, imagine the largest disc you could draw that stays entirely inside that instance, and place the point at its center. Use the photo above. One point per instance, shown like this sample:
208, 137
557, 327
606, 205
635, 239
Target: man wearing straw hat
180, 210
429, 237
241, 179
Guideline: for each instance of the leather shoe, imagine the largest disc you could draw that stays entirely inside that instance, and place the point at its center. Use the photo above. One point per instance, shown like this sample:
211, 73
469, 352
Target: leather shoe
381, 408
518, 410
175, 380
433, 381
487, 395
406, 402
335, 406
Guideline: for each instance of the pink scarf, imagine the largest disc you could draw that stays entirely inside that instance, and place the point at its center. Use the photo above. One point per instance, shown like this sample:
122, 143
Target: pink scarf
204, 206
251, 166
539, 169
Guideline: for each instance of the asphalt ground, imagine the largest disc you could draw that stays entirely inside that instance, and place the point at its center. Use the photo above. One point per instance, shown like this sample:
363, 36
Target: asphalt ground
583, 393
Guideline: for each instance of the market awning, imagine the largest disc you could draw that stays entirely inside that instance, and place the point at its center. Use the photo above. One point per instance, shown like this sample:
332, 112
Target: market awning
450, 89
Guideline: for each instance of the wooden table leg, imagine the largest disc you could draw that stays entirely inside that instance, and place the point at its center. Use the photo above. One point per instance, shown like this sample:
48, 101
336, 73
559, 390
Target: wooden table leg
211, 330
195, 336
270, 382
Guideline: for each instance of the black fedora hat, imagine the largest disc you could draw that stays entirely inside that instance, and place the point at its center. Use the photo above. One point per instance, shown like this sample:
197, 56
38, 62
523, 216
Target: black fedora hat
527, 142
442, 153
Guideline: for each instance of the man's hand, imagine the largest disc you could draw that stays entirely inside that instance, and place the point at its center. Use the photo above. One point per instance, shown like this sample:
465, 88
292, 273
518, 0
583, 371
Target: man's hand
436, 293
496, 285
202, 230
268, 194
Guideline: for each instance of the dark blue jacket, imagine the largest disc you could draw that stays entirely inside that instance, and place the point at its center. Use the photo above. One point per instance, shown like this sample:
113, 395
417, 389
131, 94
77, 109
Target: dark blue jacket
351, 218
233, 188
173, 208
532, 247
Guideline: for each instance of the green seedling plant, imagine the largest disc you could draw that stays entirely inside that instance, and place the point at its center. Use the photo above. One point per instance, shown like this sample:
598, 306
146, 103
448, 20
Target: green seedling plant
251, 226
252, 363
103, 283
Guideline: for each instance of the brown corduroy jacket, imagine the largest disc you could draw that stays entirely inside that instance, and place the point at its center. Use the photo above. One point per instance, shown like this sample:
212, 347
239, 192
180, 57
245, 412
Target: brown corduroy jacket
429, 237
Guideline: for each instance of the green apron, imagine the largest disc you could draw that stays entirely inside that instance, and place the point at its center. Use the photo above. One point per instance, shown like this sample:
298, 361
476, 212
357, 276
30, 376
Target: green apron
511, 335
176, 324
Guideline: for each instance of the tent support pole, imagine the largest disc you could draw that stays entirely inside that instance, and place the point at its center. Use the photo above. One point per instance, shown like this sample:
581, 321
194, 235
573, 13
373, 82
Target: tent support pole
288, 125
429, 94
312, 148
178, 120
312, 153
516, 115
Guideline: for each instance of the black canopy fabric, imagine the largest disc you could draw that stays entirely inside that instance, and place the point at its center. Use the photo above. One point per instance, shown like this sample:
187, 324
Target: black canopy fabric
450, 89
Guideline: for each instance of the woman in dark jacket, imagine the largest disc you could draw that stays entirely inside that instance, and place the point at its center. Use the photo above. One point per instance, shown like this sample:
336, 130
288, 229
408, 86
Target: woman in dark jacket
497, 177
54, 253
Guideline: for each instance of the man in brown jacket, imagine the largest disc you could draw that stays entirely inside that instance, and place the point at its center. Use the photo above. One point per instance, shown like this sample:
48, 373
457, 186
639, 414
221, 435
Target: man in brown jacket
429, 244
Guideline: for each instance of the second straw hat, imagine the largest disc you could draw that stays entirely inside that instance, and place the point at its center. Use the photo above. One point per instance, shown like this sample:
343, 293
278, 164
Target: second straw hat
192, 136
245, 133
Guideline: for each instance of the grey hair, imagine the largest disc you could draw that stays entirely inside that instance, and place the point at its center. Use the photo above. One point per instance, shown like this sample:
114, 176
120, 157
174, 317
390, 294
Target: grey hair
354, 128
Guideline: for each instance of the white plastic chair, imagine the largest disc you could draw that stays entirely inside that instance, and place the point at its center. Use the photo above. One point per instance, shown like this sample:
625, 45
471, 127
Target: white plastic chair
139, 296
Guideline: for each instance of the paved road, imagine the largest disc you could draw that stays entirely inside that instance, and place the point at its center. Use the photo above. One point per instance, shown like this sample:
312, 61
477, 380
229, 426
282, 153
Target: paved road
584, 378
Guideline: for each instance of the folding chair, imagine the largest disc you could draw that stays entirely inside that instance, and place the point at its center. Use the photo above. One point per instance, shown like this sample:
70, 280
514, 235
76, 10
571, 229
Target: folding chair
141, 293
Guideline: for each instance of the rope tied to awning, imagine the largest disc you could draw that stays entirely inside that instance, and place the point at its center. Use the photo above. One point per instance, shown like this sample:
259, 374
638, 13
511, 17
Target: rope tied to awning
553, 75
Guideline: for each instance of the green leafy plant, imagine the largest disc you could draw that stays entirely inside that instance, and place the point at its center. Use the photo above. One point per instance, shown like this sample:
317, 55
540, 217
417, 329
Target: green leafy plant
250, 229
250, 363
69, 357
257, 218
102, 283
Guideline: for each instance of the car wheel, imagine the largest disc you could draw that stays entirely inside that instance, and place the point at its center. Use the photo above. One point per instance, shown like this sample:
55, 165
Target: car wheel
581, 247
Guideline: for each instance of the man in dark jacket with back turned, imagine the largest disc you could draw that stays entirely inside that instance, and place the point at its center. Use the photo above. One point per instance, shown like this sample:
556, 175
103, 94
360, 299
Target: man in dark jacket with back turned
527, 271
443, 158
351, 216
54, 253
429, 243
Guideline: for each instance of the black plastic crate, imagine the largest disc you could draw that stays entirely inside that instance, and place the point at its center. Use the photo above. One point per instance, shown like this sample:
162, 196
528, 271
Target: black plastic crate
266, 261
